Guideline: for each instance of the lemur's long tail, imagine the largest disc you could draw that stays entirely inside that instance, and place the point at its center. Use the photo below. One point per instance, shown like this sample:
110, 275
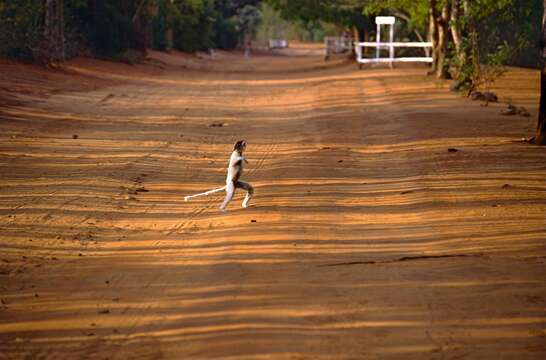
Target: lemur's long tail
187, 198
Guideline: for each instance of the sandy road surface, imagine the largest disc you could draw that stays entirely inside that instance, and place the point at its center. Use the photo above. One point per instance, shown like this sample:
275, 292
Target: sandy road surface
367, 238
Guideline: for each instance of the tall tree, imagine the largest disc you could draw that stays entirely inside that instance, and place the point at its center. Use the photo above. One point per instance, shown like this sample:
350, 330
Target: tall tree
347, 13
456, 30
54, 30
439, 32
139, 27
540, 137
248, 19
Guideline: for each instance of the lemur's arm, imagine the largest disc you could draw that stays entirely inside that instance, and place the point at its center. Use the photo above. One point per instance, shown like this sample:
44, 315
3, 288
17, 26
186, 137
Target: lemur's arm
240, 158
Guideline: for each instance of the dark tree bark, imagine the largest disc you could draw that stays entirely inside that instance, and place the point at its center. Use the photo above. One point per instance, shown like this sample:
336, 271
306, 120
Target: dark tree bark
356, 38
138, 11
540, 136
443, 32
456, 29
366, 39
438, 34
92, 11
433, 33
356, 33
139, 28
54, 30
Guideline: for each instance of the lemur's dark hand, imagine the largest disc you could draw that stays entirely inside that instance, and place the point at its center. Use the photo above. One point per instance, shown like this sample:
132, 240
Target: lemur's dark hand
246, 161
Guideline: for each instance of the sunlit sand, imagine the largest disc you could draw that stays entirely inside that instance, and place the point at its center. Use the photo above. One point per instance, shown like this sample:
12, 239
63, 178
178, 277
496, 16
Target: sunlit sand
366, 237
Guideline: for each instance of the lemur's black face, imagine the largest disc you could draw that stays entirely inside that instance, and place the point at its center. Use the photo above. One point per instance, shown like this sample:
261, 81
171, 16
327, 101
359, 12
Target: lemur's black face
240, 146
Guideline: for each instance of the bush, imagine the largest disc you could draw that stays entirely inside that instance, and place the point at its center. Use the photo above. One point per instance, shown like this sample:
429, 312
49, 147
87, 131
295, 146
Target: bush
193, 26
110, 28
106, 27
225, 33
159, 27
20, 28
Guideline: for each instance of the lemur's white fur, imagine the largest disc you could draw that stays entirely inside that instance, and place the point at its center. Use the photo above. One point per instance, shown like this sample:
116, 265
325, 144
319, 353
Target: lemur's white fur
234, 172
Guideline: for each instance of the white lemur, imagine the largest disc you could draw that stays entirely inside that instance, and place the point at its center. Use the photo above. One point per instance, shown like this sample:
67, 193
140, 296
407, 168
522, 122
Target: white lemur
234, 172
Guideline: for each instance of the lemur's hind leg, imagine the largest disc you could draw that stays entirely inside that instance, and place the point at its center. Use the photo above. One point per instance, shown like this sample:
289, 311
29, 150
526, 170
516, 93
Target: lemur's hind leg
249, 191
230, 191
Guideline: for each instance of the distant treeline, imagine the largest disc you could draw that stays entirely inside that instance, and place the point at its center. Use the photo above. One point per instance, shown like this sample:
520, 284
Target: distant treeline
501, 28
57, 29
487, 31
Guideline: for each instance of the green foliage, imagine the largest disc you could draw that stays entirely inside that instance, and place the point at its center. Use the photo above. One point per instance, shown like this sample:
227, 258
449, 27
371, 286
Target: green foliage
248, 19
273, 26
515, 23
76, 27
480, 72
203, 24
112, 27
414, 12
496, 34
230, 8
20, 28
193, 26
344, 13
160, 24
225, 33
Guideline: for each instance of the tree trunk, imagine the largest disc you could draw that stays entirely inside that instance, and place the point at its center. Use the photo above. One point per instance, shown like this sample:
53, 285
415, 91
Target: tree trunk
169, 29
456, 30
139, 34
139, 38
92, 11
540, 137
60, 34
169, 39
366, 39
433, 33
443, 31
137, 11
54, 30
356, 33
247, 39
356, 38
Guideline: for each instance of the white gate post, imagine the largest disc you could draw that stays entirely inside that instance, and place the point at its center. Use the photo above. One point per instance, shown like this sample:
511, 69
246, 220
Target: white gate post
385, 20
391, 45
391, 49
377, 40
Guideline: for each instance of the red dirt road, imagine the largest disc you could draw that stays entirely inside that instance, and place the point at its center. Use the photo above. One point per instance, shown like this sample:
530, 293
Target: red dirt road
367, 238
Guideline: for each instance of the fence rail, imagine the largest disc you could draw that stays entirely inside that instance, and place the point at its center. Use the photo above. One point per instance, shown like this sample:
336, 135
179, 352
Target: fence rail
359, 46
278, 44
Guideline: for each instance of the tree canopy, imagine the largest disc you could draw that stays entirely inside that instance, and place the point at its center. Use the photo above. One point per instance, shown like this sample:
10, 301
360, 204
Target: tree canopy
111, 27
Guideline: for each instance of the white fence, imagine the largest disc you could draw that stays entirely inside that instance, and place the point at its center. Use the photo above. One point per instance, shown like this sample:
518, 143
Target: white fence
337, 45
278, 44
391, 45
359, 47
